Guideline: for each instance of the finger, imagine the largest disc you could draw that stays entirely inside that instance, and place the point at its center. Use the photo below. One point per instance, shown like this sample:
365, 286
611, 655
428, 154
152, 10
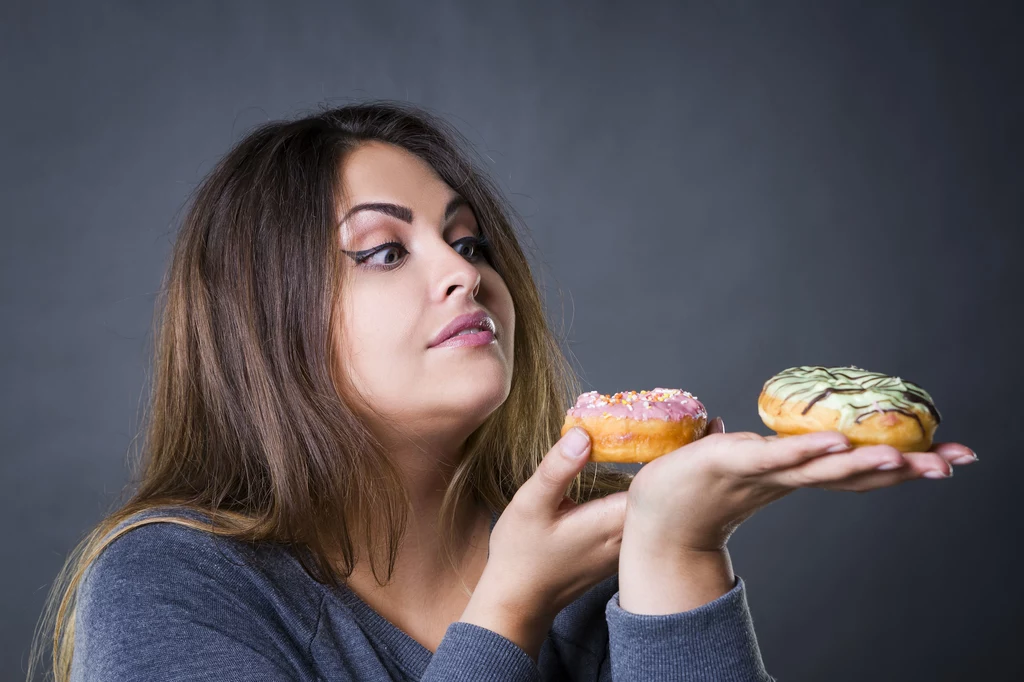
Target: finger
546, 488
955, 453
838, 470
917, 465
764, 456
830, 469
716, 425
873, 480
929, 464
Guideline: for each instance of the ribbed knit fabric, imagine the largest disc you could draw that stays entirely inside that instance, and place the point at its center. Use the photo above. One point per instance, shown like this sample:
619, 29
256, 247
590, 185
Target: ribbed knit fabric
167, 603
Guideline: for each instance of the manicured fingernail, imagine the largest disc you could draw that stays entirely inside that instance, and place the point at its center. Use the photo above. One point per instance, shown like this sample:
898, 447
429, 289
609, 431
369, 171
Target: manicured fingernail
966, 459
839, 447
889, 466
936, 473
574, 444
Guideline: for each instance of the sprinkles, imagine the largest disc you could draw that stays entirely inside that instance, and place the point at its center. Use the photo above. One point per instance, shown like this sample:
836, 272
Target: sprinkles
659, 403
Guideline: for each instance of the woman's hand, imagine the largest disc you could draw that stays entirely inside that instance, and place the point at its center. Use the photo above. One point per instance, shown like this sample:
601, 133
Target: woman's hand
545, 550
699, 494
683, 506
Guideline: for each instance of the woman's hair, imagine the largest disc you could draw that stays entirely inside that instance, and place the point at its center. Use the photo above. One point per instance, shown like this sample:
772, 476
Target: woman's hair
251, 421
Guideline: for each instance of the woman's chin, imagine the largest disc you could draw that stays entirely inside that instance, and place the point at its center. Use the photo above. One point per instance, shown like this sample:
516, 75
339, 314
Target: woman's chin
474, 393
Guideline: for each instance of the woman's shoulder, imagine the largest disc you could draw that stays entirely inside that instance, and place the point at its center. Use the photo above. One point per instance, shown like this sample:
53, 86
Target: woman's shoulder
242, 611
164, 554
162, 540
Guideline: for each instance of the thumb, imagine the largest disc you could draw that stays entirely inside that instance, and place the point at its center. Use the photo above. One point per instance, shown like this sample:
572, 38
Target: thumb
547, 486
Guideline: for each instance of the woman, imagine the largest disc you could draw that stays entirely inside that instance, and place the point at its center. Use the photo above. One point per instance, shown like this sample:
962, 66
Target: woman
334, 487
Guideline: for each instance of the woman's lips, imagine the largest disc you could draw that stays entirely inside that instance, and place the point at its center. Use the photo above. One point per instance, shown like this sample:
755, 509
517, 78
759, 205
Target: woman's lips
481, 338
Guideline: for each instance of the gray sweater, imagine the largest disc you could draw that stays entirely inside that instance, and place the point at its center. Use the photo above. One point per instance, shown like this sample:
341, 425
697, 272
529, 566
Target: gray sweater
165, 603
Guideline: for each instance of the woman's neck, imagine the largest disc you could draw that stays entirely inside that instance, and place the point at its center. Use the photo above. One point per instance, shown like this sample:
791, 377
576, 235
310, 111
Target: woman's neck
421, 562
425, 592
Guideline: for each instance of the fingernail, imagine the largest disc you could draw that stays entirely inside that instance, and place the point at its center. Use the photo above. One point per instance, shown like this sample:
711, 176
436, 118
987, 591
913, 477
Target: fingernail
966, 459
889, 466
839, 447
936, 473
574, 444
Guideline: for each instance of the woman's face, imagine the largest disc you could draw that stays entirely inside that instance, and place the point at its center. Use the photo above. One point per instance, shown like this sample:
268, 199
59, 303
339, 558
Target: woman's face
399, 297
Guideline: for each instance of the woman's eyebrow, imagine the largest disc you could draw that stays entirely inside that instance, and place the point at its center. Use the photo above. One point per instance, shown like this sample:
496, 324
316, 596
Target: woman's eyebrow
404, 213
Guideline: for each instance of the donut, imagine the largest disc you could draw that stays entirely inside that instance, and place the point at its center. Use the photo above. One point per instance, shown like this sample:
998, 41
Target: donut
868, 407
637, 426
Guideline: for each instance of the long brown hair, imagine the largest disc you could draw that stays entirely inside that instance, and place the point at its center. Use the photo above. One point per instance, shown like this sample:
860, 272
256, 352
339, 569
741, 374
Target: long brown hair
248, 422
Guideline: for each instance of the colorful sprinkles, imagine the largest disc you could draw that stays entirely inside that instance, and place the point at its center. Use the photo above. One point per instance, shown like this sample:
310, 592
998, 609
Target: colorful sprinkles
663, 402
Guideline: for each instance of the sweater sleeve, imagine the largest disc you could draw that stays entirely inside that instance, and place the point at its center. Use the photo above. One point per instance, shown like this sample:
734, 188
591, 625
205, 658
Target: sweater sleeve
469, 653
158, 606
714, 642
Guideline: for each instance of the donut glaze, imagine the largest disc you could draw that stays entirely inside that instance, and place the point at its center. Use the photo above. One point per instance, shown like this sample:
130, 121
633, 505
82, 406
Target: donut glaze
869, 407
637, 426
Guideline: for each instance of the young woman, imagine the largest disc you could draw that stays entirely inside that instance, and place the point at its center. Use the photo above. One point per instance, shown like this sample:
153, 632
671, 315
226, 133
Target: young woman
334, 487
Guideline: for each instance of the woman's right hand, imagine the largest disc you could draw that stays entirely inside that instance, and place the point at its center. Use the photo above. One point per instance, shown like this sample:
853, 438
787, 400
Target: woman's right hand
545, 550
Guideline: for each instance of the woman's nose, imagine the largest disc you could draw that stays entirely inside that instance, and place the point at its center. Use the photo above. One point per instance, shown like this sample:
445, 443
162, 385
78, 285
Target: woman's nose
457, 272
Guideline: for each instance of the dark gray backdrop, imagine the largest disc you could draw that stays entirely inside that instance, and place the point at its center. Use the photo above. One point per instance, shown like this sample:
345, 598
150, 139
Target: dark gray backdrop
716, 192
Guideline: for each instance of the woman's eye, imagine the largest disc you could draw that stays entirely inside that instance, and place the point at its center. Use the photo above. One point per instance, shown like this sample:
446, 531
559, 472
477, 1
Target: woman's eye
390, 252
388, 255
477, 247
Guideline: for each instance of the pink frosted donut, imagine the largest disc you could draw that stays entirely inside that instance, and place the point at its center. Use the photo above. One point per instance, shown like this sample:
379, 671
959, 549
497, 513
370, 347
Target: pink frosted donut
637, 426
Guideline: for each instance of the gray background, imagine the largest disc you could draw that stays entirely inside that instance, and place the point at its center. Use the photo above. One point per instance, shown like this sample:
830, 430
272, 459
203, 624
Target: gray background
716, 192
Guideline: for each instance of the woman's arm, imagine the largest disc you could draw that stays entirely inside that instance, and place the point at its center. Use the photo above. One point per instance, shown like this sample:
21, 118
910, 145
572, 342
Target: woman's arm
493, 640
469, 652
679, 615
543, 553
656, 579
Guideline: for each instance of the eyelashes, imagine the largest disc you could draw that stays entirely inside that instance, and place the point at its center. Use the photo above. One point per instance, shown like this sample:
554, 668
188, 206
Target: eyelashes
480, 246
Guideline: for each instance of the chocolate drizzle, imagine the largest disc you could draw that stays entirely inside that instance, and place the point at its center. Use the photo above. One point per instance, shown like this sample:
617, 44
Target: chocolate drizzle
813, 383
926, 401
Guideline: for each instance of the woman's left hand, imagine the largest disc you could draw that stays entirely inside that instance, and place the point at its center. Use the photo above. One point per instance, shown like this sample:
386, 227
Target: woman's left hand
700, 493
